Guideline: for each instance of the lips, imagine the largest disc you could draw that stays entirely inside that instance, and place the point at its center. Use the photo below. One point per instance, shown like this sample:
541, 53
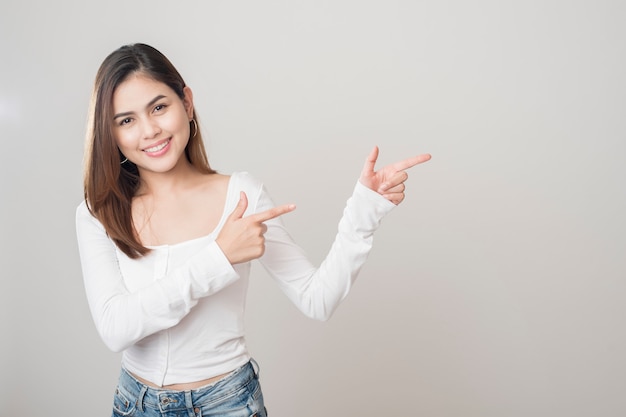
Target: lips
158, 147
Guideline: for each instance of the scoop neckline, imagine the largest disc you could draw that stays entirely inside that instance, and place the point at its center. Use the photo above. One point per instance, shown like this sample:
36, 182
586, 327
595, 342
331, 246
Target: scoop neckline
212, 232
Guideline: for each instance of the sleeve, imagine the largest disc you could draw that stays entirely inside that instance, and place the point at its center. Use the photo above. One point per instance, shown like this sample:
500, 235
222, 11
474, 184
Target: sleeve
123, 317
318, 291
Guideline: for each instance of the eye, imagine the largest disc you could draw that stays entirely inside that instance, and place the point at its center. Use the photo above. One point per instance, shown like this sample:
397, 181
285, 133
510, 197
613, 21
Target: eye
159, 107
125, 121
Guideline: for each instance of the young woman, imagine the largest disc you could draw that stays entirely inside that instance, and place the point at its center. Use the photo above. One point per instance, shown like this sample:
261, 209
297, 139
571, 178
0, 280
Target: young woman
166, 243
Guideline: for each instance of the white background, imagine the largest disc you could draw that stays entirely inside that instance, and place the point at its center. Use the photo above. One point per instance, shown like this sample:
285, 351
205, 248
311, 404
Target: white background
496, 289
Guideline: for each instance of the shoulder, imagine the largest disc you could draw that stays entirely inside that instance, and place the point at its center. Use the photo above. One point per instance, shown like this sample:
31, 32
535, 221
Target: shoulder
215, 181
85, 219
224, 184
244, 181
82, 207
249, 184
82, 211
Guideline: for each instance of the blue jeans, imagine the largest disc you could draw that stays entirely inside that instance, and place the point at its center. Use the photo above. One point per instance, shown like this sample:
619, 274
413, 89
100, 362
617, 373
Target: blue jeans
236, 395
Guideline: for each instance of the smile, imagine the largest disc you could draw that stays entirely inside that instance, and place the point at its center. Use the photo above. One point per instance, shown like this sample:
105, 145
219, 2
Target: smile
158, 147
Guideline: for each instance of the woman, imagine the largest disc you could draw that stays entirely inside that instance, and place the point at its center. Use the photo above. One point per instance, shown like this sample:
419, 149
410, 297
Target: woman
166, 243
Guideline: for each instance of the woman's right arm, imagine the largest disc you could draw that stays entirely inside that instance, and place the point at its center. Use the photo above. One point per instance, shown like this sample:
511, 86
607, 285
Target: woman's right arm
123, 317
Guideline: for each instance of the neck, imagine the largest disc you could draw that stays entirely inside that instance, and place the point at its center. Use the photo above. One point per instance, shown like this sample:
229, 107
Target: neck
167, 183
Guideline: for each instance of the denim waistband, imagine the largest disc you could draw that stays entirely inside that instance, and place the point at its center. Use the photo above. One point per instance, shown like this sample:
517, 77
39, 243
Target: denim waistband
172, 400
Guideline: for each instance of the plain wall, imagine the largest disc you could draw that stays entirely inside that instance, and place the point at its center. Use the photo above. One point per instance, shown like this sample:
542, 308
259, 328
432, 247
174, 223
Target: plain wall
496, 289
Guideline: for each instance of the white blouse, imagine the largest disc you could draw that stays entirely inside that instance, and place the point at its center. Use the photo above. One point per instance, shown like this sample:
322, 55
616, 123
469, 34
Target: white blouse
177, 313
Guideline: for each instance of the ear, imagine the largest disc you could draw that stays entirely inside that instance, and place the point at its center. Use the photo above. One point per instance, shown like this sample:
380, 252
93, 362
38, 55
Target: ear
188, 102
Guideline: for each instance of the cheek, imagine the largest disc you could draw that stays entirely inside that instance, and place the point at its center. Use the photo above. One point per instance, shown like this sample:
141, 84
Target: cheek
124, 139
180, 124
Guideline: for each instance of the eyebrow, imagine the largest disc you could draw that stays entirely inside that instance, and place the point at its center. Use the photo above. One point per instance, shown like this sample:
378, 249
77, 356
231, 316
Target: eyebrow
150, 104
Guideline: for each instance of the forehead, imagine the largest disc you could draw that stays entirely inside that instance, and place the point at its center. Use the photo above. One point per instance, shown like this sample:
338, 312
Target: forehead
138, 90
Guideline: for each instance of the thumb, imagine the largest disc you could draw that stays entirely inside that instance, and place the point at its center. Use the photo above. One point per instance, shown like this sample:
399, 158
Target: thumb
370, 162
242, 205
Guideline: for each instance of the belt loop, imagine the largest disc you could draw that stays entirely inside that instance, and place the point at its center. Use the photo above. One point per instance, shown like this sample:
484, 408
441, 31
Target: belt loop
255, 367
140, 397
189, 403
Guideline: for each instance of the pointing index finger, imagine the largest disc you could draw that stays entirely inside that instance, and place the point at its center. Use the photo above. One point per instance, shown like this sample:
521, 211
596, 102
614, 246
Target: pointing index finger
272, 213
411, 162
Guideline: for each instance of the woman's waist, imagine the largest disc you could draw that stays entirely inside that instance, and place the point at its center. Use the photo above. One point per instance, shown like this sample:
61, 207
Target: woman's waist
141, 391
162, 367
183, 386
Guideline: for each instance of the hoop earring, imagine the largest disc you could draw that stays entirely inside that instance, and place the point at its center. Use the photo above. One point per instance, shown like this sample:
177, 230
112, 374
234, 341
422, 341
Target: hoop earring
195, 127
122, 163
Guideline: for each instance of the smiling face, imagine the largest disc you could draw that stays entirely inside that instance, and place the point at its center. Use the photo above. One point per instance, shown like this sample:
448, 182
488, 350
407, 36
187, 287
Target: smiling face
151, 123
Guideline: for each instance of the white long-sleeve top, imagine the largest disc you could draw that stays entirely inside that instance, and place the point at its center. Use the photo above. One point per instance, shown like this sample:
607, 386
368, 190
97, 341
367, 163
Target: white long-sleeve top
177, 313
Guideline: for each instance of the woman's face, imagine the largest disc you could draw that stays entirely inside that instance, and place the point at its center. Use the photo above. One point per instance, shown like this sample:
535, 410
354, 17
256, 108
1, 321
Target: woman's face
151, 123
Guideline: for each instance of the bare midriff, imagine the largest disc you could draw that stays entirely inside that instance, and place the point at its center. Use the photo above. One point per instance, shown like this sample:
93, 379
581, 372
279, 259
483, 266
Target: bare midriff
184, 386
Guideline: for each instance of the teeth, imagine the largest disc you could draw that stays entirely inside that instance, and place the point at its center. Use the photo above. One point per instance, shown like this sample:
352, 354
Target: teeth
158, 147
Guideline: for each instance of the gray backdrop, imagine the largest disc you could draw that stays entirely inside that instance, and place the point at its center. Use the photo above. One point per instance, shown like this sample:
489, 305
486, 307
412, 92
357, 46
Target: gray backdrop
497, 287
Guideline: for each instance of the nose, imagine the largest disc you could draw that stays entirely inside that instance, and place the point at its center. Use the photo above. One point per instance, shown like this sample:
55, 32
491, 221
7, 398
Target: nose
151, 129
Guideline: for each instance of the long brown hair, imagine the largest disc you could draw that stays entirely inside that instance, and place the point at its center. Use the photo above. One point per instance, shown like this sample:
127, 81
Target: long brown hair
109, 184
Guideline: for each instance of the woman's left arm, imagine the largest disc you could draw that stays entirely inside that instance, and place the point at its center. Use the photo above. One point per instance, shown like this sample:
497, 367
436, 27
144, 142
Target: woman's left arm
318, 291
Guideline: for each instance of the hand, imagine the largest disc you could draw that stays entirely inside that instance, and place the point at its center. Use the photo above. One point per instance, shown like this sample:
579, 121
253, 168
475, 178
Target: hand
241, 239
389, 181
